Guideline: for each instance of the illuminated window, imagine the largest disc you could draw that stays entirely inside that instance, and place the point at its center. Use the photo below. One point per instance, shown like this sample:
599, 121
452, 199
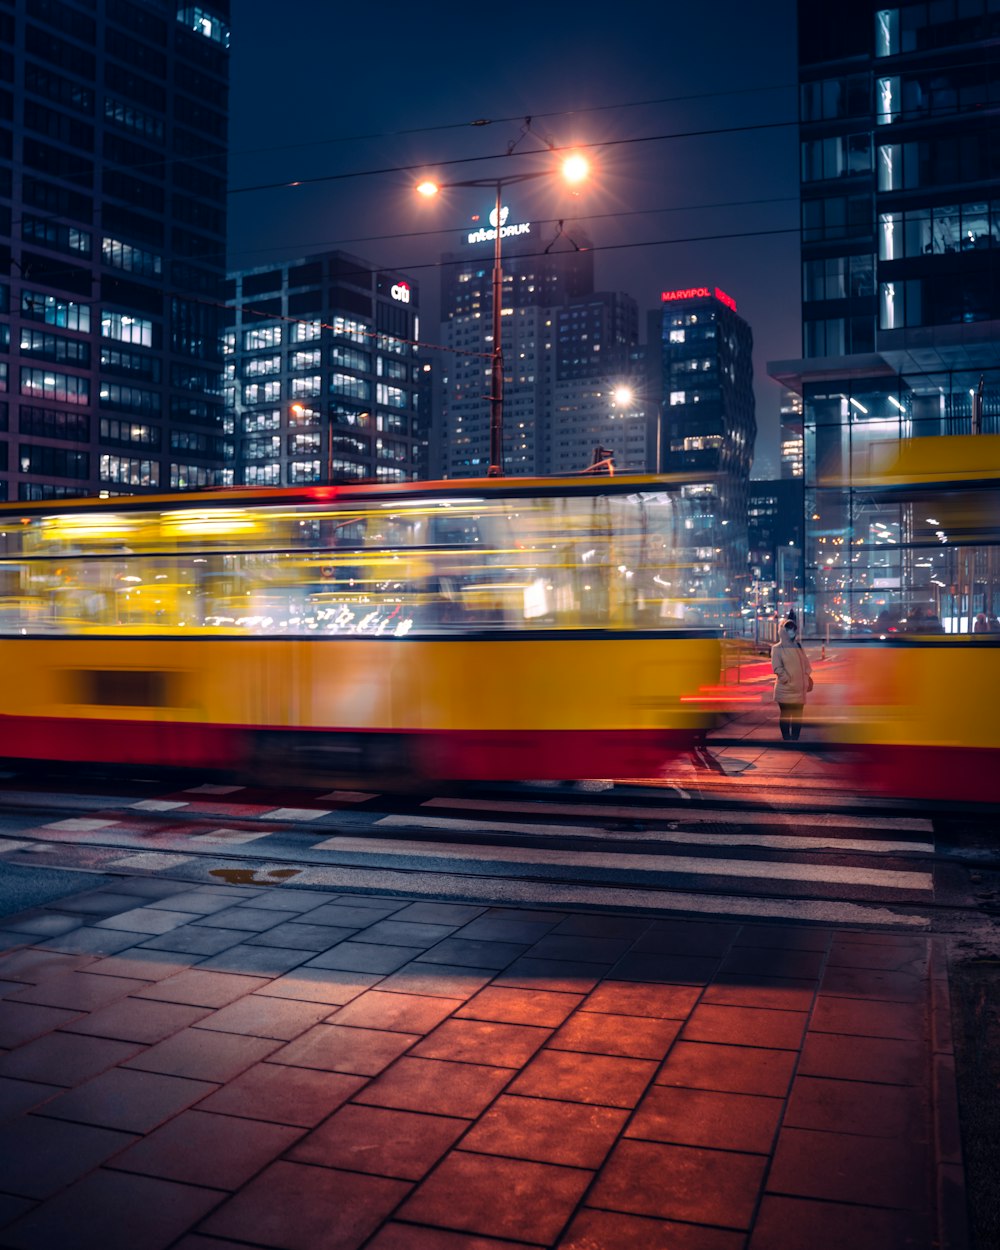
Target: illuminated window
121, 255
261, 366
129, 471
204, 22
47, 384
262, 392
304, 471
253, 422
54, 311
353, 331
126, 329
262, 448
304, 444
261, 337
307, 387
351, 387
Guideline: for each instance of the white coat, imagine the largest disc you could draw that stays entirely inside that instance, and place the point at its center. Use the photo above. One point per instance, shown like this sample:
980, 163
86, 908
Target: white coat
791, 672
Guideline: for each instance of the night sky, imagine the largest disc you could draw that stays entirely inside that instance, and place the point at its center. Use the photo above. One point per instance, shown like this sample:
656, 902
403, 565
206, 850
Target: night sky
361, 98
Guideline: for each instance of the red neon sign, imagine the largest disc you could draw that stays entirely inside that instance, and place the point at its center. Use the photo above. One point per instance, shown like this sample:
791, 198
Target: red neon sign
699, 292
726, 299
691, 292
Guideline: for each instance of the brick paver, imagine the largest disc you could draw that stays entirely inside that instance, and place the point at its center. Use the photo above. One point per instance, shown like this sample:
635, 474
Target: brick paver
193, 1066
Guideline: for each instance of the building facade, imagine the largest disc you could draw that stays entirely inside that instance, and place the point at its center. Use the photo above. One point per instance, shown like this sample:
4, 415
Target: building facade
774, 544
567, 353
323, 382
113, 156
598, 408
701, 361
790, 415
900, 285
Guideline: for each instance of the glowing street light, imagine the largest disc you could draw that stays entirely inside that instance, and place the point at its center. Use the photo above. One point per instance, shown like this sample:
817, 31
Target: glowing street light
575, 169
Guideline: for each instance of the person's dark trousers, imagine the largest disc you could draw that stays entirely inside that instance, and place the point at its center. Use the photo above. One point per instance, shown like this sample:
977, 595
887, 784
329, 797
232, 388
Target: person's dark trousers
790, 720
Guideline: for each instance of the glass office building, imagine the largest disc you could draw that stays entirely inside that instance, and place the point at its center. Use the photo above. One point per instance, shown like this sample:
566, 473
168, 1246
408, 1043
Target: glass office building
323, 381
113, 156
900, 182
701, 362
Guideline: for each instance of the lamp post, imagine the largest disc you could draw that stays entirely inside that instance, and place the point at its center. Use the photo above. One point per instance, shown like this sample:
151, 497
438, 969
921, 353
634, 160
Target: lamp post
574, 169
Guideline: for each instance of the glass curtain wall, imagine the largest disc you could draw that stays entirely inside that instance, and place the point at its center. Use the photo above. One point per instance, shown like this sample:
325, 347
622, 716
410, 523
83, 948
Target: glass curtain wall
878, 562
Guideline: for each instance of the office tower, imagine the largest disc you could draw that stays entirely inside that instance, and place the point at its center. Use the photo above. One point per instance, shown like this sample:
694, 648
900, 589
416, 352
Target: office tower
774, 542
323, 383
112, 237
791, 434
702, 351
900, 283
564, 350
598, 404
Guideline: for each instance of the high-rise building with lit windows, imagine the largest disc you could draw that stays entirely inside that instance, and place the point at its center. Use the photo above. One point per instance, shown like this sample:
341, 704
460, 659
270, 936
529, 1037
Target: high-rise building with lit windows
567, 353
323, 383
899, 109
113, 134
791, 434
701, 361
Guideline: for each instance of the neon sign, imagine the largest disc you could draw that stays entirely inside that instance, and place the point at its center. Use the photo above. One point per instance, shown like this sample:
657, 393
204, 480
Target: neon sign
400, 291
482, 235
699, 292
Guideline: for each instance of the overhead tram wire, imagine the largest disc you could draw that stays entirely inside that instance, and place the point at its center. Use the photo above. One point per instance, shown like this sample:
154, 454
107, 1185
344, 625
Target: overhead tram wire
289, 183
555, 114
329, 245
482, 122
227, 153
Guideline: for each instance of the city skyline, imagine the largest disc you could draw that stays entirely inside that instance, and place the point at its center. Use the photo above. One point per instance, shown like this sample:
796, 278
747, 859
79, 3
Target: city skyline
698, 185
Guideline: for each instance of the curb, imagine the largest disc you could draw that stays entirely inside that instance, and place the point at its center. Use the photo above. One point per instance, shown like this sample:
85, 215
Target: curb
949, 1172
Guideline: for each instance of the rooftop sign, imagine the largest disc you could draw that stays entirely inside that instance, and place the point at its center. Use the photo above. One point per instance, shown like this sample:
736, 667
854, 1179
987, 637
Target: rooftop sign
697, 292
482, 235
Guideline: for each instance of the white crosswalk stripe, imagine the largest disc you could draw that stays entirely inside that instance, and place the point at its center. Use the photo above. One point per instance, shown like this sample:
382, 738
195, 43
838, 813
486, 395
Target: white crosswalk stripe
773, 841
529, 860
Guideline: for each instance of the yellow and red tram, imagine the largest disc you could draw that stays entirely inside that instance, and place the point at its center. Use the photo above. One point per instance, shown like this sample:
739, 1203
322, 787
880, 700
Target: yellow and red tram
487, 629
922, 699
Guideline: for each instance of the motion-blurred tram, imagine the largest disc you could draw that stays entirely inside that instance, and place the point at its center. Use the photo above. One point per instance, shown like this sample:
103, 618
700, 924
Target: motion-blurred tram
486, 629
922, 706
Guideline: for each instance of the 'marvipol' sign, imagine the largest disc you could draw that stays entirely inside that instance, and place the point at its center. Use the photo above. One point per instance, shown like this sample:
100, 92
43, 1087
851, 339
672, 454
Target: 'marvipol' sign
697, 292
482, 235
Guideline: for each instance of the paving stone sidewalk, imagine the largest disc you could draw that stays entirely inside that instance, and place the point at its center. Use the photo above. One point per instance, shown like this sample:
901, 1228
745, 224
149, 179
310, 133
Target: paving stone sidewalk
205, 1066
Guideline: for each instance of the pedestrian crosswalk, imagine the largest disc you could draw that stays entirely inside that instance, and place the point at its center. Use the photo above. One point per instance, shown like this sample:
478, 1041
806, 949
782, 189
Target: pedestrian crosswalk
651, 851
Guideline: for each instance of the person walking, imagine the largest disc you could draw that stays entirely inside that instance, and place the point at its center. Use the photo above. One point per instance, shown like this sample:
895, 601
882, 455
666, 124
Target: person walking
792, 679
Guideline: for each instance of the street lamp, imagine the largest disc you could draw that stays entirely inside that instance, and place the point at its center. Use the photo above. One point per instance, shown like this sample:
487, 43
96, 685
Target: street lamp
575, 168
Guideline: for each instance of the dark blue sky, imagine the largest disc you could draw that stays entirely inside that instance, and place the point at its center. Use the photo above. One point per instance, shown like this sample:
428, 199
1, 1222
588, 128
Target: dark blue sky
350, 95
